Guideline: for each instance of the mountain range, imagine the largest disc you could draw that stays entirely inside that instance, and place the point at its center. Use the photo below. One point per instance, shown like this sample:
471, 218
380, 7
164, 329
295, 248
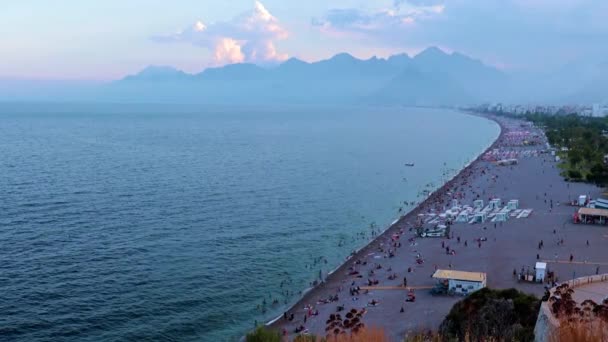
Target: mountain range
431, 78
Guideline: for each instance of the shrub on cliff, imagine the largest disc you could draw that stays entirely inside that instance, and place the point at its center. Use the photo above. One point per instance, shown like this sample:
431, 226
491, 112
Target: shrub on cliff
498, 315
263, 334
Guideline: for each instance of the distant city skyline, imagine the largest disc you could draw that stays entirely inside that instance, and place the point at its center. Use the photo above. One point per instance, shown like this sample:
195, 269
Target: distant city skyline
106, 40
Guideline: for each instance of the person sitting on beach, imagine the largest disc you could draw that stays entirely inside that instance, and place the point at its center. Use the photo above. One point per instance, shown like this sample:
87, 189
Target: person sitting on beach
373, 302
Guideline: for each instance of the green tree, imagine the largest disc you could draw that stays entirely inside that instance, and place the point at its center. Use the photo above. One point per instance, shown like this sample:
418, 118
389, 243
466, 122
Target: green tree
495, 315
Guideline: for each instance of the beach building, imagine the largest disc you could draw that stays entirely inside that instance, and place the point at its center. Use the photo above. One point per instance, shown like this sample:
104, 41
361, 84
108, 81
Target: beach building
461, 282
507, 162
600, 203
592, 216
582, 200
541, 271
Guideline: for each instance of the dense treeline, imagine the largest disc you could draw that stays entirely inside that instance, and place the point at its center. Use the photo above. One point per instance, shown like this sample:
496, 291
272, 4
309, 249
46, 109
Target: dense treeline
583, 142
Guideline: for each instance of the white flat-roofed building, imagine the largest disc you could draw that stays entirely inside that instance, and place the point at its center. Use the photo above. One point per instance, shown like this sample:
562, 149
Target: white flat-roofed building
461, 282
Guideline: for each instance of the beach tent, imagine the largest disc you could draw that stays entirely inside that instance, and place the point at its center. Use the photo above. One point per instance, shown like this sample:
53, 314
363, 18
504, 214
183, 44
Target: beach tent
513, 204
454, 203
501, 217
541, 271
478, 204
462, 217
480, 218
495, 203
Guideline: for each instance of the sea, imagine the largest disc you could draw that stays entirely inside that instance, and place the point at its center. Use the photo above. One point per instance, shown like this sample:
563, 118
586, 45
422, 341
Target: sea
129, 222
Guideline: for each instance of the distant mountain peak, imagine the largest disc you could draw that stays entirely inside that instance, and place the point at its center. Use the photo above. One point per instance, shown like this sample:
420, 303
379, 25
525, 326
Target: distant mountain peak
400, 55
294, 61
234, 72
158, 72
344, 56
431, 51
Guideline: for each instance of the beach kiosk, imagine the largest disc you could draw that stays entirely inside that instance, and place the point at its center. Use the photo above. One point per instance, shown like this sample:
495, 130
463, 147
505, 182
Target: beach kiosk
460, 282
479, 218
463, 217
501, 217
494, 204
478, 204
513, 204
541, 271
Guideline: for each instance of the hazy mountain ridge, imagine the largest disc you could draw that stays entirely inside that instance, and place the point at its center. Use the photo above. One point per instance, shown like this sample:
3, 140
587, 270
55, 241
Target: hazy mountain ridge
432, 77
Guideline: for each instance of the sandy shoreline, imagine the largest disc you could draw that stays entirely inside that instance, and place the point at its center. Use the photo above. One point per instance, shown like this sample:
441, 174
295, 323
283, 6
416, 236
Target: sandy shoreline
311, 292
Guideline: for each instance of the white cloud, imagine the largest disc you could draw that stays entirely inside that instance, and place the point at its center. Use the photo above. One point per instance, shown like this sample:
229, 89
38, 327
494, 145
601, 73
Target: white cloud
228, 50
379, 23
249, 37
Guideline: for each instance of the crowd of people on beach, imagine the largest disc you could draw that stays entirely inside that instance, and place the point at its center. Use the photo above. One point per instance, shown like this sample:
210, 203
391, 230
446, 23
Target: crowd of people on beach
370, 268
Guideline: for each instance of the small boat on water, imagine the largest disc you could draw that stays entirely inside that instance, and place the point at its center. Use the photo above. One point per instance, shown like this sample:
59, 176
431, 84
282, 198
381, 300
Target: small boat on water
409, 164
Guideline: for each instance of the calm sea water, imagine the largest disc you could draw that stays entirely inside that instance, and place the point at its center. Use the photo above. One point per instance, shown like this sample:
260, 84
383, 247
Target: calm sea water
176, 223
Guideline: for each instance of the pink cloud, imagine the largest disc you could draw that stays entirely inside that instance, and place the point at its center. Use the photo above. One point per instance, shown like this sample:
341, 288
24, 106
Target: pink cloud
249, 37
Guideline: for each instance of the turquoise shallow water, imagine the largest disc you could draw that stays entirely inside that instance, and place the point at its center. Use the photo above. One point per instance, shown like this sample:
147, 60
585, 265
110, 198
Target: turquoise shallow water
174, 223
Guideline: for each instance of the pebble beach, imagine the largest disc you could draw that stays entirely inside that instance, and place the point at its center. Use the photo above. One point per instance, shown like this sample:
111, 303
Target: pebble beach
496, 248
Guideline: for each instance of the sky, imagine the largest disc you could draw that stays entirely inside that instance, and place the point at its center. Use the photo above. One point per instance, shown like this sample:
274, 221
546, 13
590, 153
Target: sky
106, 40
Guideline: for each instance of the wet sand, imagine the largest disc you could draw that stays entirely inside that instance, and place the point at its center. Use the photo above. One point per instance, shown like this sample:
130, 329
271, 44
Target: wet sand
534, 181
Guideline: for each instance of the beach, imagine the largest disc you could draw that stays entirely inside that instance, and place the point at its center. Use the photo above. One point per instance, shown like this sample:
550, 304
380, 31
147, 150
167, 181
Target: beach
496, 248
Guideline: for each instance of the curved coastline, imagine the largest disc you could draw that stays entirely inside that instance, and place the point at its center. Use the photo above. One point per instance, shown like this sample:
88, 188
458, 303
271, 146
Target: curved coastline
309, 292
